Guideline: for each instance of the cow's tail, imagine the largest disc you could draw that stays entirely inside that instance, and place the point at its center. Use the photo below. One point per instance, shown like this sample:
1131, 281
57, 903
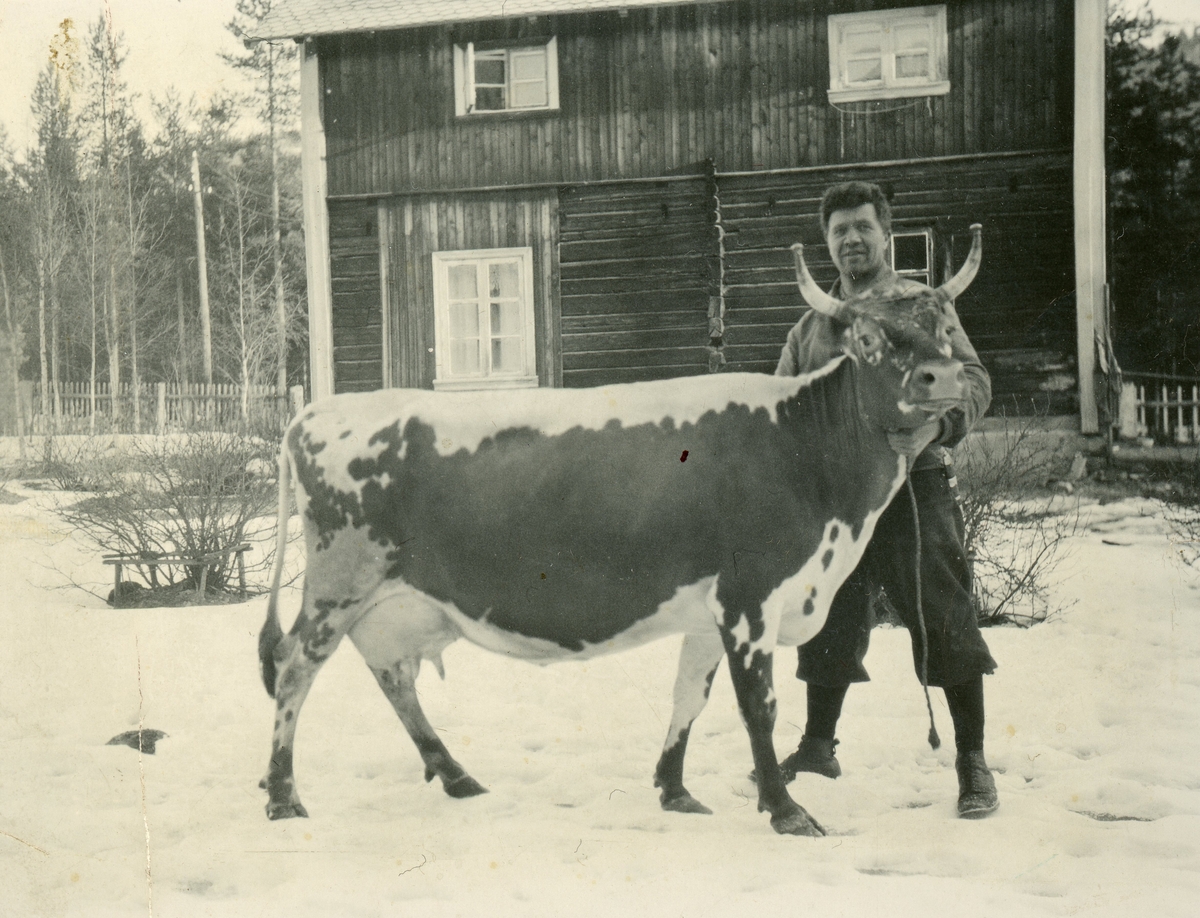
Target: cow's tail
272, 633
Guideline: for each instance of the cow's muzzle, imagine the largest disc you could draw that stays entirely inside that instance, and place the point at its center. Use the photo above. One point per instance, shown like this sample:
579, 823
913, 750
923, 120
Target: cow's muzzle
937, 386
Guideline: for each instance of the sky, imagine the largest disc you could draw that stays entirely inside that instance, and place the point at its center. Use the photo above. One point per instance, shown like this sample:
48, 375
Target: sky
177, 42
169, 43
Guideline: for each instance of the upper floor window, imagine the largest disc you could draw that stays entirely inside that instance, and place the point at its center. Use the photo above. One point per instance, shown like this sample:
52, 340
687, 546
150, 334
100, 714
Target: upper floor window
888, 54
484, 325
912, 254
494, 77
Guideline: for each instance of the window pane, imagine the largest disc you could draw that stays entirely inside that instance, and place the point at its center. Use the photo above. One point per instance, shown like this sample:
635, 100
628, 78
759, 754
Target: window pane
910, 66
506, 355
464, 320
489, 70
506, 318
463, 282
464, 358
489, 100
528, 65
529, 95
911, 38
912, 252
863, 71
863, 42
504, 280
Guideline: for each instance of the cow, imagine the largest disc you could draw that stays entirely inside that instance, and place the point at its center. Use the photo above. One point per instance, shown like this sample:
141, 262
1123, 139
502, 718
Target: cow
552, 524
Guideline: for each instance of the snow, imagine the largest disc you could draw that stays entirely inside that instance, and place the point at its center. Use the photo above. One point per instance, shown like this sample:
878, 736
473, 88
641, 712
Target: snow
1092, 733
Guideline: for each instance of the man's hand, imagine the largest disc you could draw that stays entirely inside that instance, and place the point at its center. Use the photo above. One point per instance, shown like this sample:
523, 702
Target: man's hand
909, 443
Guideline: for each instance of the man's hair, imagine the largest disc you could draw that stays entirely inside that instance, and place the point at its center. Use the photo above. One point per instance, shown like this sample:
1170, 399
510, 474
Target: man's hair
850, 195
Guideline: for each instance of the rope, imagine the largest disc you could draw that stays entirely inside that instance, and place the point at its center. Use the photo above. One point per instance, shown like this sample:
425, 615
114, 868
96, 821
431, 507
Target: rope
934, 740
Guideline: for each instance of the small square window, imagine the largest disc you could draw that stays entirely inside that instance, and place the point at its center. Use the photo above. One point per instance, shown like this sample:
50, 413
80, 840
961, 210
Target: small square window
484, 324
505, 78
912, 254
888, 54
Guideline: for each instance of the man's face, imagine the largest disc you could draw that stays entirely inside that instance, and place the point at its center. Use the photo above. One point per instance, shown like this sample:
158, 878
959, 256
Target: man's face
857, 241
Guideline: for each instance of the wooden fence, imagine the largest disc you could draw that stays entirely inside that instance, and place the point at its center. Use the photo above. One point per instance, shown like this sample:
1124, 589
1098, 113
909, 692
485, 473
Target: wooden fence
159, 407
1165, 408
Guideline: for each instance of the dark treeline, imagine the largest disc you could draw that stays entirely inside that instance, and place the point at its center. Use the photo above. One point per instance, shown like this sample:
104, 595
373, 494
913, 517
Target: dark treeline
1154, 192
99, 268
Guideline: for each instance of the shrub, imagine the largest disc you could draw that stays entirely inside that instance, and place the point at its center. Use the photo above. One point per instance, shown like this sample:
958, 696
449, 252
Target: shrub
1181, 505
188, 494
1016, 529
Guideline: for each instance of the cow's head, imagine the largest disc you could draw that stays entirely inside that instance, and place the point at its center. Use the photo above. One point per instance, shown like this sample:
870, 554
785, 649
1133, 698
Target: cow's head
901, 344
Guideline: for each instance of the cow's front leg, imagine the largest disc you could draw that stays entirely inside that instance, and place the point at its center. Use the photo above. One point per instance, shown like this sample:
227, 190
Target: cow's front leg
698, 660
750, 666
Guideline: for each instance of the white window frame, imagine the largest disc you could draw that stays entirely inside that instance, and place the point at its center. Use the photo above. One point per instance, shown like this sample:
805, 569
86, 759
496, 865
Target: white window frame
464, 76
888, 86
526, 376
927, 233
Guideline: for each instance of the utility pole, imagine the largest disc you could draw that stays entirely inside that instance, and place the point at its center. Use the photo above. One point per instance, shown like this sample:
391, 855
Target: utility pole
202, 262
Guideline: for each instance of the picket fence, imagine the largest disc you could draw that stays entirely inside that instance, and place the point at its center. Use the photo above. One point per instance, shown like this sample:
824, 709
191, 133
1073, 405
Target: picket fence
1162, 407
159, 407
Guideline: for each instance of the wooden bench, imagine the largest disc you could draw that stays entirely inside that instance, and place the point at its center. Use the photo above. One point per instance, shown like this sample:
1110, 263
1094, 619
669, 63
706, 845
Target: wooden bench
153, 560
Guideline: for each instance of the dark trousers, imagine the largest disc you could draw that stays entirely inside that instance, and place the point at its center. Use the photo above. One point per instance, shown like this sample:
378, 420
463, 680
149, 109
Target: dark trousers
957, 651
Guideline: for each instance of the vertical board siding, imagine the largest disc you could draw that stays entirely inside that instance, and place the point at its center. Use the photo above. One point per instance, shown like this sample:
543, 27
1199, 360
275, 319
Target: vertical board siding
421, 225
1019, 312
659, 91
357, 314
638, 268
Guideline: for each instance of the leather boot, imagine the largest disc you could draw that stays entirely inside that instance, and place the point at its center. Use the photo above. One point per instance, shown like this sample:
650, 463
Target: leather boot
976, 787
815, 755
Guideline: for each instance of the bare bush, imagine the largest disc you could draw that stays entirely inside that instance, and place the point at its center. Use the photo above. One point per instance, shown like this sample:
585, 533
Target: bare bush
1181, 506
191, 494
1016, 530
76, 462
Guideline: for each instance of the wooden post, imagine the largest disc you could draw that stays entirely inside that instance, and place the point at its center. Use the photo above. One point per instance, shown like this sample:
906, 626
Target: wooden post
1195, 414
1091, 271
201, 259
1128, 411
297, 393
160, 412
1181, 431
316, 223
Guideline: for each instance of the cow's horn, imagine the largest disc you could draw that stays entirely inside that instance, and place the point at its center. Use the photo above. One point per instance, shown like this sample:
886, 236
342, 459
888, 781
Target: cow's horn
954, 287
817, 298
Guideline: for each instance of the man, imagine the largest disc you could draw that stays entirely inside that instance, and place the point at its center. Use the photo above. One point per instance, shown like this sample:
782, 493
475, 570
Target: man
856, 220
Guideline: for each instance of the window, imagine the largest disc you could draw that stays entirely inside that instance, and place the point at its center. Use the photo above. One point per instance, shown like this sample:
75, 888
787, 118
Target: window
888, 54
491, 78
483, 331
912, 254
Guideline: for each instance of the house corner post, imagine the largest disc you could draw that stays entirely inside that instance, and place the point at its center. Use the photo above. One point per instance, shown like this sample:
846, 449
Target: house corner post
316, 223
1091, 270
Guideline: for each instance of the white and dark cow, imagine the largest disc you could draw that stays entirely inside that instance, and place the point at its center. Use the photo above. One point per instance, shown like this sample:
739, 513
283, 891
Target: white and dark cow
556, 524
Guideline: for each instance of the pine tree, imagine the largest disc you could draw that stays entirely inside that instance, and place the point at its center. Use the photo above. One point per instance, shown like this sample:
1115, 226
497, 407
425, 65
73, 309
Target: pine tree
1154, 193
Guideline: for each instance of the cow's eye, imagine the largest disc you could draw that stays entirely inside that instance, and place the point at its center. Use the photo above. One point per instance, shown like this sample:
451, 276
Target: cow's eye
868, 341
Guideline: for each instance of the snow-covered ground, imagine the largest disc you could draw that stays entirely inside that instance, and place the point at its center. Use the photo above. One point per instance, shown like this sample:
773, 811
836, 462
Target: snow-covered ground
1093, 732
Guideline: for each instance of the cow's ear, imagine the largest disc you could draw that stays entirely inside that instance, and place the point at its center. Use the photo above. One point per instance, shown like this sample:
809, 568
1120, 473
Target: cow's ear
866, 340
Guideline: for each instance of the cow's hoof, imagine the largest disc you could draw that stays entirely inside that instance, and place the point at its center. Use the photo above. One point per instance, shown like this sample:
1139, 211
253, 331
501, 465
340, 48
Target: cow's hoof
466, 786
286, 810
684, 803
797, 822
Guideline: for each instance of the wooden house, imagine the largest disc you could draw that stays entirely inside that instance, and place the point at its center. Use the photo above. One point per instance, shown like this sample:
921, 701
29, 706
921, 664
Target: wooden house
504, 193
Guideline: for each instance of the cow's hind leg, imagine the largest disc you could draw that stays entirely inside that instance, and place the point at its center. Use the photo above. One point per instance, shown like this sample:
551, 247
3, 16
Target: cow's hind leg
398, 682
298, 663
698, 661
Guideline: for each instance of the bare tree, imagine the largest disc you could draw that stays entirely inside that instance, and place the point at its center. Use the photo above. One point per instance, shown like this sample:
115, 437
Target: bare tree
274, 70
